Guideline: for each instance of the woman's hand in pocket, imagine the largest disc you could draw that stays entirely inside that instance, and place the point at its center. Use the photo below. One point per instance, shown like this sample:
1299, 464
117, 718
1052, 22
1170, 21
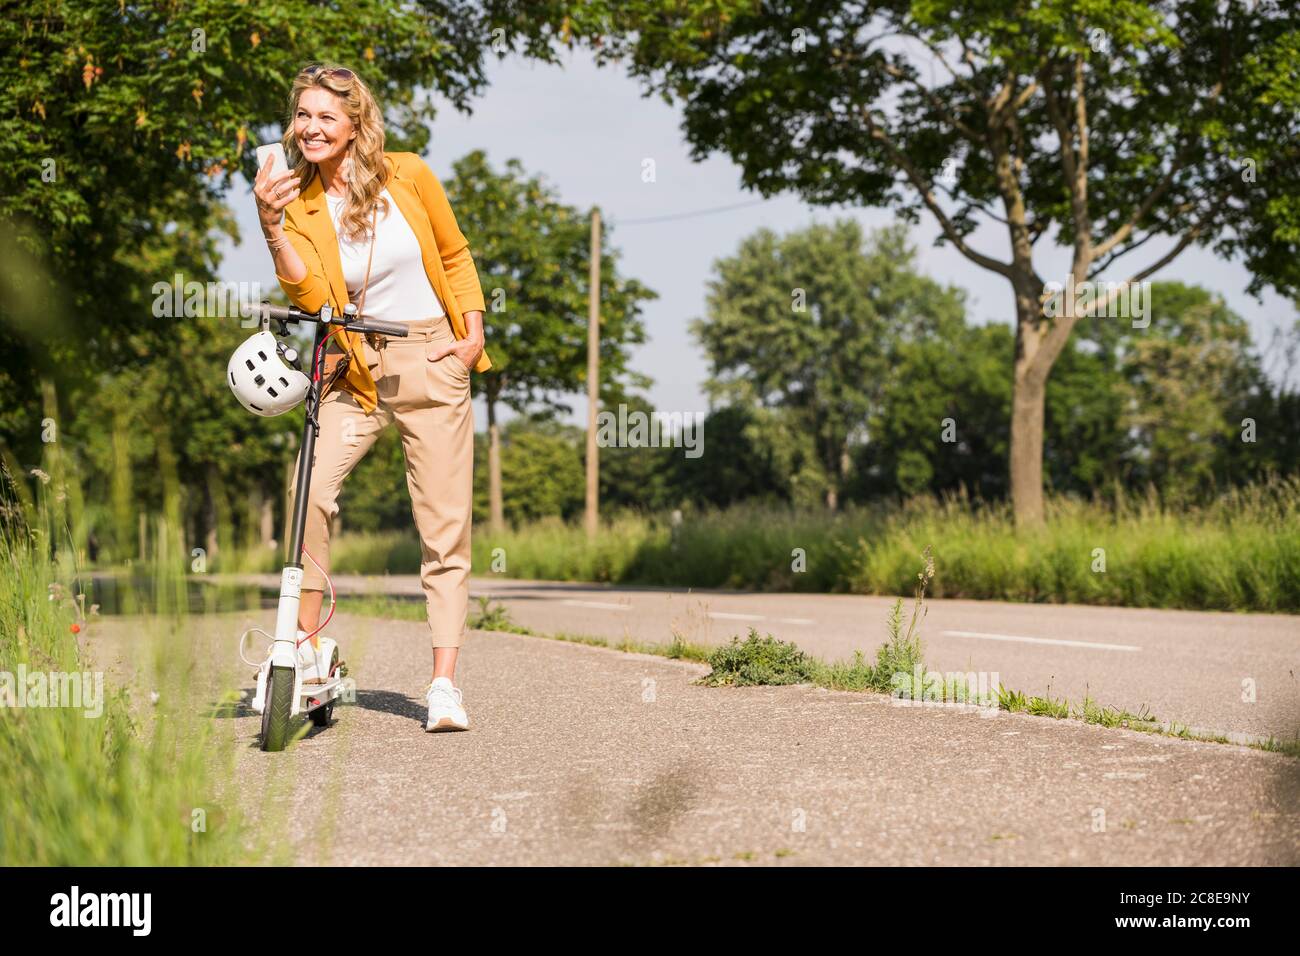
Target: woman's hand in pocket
467, 350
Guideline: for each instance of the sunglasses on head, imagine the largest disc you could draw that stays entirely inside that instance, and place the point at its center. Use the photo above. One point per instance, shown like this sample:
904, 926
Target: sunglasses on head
315, 68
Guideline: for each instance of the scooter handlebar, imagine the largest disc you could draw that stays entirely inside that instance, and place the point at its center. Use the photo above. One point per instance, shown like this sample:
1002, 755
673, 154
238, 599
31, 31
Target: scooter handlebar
396, 329
281, 313
290, 313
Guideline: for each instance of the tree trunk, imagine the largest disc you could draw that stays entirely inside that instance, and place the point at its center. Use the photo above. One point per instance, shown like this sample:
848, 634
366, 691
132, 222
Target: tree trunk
120, 484
215, 520
1034, 354
1027, 400
211, 539
496, 507
266, 530
172, 538
841, 473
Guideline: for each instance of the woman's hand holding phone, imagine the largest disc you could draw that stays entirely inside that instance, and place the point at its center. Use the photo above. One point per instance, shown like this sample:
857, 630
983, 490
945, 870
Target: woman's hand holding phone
273, 191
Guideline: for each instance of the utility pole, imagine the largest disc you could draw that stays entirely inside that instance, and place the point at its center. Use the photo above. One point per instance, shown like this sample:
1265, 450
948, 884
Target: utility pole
593, 379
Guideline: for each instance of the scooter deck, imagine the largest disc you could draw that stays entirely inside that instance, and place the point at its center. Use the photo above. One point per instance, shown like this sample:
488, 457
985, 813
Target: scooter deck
329, 689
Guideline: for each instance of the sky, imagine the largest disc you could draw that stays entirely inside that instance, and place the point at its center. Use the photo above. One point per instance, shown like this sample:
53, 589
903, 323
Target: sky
588, 131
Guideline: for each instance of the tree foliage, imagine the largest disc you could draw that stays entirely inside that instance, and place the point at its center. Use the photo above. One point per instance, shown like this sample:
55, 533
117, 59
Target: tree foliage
1100, 125
811, 322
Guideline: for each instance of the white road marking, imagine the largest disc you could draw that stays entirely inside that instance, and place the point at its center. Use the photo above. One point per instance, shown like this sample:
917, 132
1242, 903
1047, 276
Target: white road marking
600, 604
722, 615
1043, 640
796, 620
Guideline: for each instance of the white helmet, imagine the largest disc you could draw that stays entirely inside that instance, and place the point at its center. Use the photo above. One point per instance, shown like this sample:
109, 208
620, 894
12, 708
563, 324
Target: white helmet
262, 380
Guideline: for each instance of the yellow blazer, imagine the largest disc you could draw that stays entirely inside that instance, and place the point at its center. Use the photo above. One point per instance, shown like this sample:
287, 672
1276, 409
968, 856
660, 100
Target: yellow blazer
445, 251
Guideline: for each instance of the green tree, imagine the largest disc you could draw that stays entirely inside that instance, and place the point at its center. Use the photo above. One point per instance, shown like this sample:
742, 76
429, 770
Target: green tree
743, 460
944, 425
1101, 125
810, 323
1269, 414
1086, 444
125, 124
533, 255
1182, 380
633, 476
541, 470
941, 424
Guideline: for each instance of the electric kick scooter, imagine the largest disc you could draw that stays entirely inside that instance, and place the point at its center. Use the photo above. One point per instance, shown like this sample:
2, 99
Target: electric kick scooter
301, 672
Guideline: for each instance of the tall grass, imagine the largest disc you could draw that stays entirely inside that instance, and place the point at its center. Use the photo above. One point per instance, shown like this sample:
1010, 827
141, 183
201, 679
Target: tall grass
131, 785
1239, 553
1242, 552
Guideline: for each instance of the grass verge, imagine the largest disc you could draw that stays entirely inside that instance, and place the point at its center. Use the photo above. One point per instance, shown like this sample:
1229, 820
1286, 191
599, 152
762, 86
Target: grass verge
95, 772
1240, 552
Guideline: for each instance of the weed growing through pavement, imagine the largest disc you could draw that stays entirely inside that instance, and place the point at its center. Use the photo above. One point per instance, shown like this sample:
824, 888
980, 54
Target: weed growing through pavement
761, 660
494, 616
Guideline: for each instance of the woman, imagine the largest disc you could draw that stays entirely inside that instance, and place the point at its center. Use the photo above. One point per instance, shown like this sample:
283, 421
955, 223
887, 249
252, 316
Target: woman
351, 210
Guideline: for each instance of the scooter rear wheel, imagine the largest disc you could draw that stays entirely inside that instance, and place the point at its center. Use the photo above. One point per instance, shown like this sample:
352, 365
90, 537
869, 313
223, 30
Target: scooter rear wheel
276, 707
320, 717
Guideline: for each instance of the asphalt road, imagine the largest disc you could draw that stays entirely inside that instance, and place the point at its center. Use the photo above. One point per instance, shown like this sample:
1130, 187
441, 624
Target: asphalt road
584, 755
1237, 674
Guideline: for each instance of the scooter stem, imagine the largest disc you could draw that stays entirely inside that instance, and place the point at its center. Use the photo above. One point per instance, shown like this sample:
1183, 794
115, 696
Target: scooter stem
285, 648
307, 447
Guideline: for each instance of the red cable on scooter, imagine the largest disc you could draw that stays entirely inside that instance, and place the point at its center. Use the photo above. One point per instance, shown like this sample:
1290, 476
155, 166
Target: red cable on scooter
328, 581
315, 365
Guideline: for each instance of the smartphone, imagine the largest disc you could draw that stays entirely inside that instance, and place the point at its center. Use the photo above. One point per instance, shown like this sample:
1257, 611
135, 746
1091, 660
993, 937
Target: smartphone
279, 165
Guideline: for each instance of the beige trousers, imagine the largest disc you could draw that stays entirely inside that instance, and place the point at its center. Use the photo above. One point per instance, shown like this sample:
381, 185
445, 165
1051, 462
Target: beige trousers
430, 401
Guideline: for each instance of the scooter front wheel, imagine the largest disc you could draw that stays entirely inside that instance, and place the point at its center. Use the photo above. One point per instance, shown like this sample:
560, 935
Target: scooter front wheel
276, 708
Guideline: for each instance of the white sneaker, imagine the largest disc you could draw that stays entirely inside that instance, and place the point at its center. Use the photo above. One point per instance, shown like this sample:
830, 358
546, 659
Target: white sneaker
445, 709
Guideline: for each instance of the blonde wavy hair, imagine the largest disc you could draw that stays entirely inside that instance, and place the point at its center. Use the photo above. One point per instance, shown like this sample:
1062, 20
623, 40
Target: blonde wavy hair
369, 175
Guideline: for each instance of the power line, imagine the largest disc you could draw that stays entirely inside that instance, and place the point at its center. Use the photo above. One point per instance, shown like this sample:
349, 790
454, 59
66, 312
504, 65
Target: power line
685, 215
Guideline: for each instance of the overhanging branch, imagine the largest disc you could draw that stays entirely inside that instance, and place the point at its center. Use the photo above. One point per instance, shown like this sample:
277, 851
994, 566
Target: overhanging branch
926, 191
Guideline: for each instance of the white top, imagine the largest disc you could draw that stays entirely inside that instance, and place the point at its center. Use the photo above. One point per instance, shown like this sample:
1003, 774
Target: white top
399, 289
